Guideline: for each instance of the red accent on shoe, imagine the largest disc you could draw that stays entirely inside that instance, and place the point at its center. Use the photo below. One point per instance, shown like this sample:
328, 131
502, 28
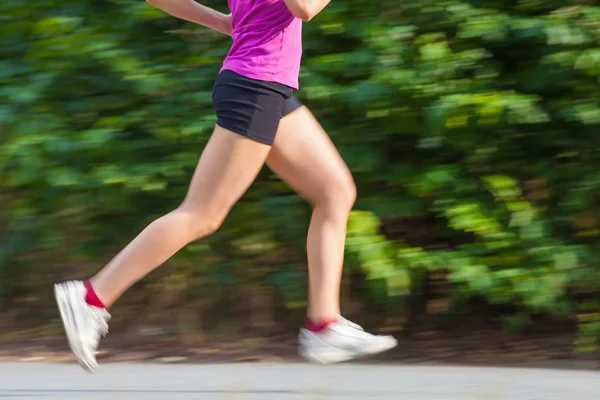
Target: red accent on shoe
92, 298
318, 327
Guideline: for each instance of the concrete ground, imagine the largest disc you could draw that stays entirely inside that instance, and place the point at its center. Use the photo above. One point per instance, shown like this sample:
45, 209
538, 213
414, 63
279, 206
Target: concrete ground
292, 382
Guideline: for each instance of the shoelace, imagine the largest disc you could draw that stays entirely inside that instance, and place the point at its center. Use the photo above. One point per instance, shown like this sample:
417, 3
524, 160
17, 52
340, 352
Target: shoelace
99, 326
102, 324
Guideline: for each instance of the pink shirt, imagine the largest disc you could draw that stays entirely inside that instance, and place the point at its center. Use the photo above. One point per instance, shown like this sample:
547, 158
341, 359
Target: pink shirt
267, 41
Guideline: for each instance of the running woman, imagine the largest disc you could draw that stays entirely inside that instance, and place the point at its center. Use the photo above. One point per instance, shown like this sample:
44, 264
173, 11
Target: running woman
258, 121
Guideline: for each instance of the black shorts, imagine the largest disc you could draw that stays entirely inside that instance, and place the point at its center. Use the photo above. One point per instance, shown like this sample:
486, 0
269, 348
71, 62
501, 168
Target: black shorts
251, 107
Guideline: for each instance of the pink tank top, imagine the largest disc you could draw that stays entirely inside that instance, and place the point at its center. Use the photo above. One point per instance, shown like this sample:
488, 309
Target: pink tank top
267, 41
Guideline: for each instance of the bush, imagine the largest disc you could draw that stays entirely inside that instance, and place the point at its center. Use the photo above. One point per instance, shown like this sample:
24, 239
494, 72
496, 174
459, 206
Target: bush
469, 126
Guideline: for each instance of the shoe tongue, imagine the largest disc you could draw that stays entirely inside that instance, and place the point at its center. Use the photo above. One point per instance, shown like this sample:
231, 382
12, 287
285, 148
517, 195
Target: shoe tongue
106, 315
102, 313
101, 318
350, 323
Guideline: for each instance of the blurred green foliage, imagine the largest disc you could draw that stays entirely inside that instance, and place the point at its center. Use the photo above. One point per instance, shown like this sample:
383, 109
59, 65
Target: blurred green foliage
469, 127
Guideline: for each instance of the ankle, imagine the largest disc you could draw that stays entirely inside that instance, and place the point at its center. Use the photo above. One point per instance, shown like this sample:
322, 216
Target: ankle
318, 325
91, 297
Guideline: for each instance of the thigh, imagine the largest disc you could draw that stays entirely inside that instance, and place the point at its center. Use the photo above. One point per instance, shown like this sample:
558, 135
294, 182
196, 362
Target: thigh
304, 156
227, 167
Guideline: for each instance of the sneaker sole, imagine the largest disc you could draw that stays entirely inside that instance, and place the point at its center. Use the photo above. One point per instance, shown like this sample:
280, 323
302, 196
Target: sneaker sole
335, 356
68, 319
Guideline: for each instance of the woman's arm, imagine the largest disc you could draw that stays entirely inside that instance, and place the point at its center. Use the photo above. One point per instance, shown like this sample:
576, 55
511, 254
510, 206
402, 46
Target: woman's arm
306, 9
191, 11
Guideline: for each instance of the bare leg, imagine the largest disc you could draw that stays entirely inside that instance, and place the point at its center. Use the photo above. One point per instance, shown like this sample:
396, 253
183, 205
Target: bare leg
228, 165
304, 157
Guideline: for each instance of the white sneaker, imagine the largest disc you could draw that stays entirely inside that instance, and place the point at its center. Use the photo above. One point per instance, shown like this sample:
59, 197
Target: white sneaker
84, 324
342, 341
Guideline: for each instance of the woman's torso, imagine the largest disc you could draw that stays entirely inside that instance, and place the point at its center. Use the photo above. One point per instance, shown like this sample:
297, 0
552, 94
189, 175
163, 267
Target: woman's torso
267, 41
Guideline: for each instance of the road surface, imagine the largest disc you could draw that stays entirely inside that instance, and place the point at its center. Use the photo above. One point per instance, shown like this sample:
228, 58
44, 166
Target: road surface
41, 381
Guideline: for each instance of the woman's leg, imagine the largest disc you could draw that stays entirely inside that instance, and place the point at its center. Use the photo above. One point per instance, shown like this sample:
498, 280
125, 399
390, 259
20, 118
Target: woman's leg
227, 166
305, 158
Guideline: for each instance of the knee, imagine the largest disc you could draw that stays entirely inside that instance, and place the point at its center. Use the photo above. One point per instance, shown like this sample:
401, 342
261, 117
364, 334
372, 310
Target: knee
349, 195
340, 195
198, 223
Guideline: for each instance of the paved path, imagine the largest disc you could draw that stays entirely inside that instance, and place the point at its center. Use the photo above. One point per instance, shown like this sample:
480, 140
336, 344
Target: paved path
292, 382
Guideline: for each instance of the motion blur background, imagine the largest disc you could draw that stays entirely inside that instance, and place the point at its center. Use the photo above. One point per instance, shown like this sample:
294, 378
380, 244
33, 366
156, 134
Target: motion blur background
471, 128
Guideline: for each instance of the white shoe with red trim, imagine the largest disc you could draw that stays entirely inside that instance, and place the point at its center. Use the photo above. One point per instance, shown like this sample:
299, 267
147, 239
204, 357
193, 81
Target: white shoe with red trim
342, 341
84, 324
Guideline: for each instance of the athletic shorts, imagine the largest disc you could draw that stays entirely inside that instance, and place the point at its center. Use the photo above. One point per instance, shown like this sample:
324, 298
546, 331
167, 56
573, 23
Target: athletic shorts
251, 107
